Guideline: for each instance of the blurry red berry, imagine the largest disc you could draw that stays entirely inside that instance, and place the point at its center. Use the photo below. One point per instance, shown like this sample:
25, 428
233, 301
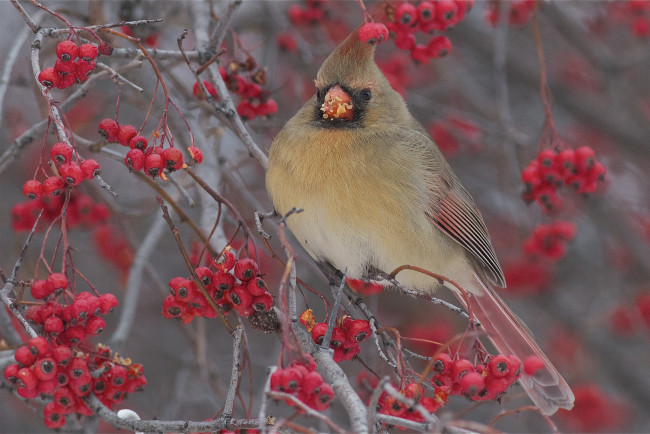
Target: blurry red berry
532, 364
125, 134
41, 289
138, 142
49, 77
245, 269
67, 50
172, 158
32, 189
196, 153
373, 33
89, 168
153, 164
88, 52
135, 159
109, 129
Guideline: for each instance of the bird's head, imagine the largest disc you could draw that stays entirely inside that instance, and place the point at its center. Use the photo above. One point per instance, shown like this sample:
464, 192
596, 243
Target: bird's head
351, 90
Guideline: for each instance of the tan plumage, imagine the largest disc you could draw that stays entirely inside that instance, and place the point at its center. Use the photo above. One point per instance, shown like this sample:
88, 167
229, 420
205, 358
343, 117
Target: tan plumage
377, 192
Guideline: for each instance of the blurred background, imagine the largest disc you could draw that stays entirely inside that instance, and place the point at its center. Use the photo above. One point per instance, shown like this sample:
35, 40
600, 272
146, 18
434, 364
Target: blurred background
585, 295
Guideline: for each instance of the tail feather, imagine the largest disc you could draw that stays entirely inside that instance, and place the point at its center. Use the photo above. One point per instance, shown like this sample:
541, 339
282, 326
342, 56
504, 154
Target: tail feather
547, 389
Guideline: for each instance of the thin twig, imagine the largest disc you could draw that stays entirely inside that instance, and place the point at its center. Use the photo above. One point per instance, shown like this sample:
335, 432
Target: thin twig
235, 374
331, 321
107, 415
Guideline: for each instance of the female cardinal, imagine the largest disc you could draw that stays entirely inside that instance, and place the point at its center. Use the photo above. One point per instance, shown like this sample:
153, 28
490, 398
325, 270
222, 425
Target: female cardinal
376, 193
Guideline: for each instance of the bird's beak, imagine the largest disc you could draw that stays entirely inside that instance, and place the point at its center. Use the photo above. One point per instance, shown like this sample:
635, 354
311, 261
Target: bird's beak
337, 105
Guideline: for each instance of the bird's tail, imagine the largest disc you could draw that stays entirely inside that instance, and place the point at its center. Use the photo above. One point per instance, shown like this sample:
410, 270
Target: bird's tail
547, 389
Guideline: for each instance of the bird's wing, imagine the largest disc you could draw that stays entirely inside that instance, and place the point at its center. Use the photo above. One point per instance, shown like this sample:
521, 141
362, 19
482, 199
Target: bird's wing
453, 210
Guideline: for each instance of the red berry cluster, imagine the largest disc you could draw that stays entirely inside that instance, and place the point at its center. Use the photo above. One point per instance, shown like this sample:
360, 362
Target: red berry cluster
405, 20
551, 169
53, 372
302, 381
450, 132
114, 248
153, 160
391, 406
346, 335
595, 410
550, 240
519, 12
74, 65
484, 381
625, 319
634, 14
149, 38
70, 324
246, 80
71, 172
255, 101
82, 210
234, 285
313, 12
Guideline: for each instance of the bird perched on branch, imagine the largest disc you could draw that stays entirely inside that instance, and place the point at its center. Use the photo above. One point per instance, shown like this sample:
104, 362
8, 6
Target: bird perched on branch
377, 193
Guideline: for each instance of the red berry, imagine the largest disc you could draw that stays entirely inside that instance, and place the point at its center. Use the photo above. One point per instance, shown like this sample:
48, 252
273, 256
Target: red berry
173, 308
38, 346
223, 281
406, 15
446, 10
65, 68
460, 368
64, 397
107, 302
32, 189
105, 49
247, 110
65, 81
95, 325
443, 364
532, 364
323, 397
153, 164
71, 173
172, 158
88, 52
53, 324
109, 129
546, 157
263, 302
245, 269
426, 12
138, 142
67, 50
196, 153
267, 107
256, 286
49, 77
183, 289
11, 372
357, 330
58, 281
26, 378
404, 40
24, 356
318, 332
226, 261
41, 289
204, 274
471, 384
500, 366
135, 159
45, 369
373, 33
125, 134
89, 168
438, 47
83, 69
239, 296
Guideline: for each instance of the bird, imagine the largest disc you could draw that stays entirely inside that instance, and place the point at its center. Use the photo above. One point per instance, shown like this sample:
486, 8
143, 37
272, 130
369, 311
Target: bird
376, 193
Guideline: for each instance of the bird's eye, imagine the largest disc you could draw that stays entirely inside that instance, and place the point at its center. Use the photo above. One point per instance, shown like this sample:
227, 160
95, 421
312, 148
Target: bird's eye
365, 94
319, 94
